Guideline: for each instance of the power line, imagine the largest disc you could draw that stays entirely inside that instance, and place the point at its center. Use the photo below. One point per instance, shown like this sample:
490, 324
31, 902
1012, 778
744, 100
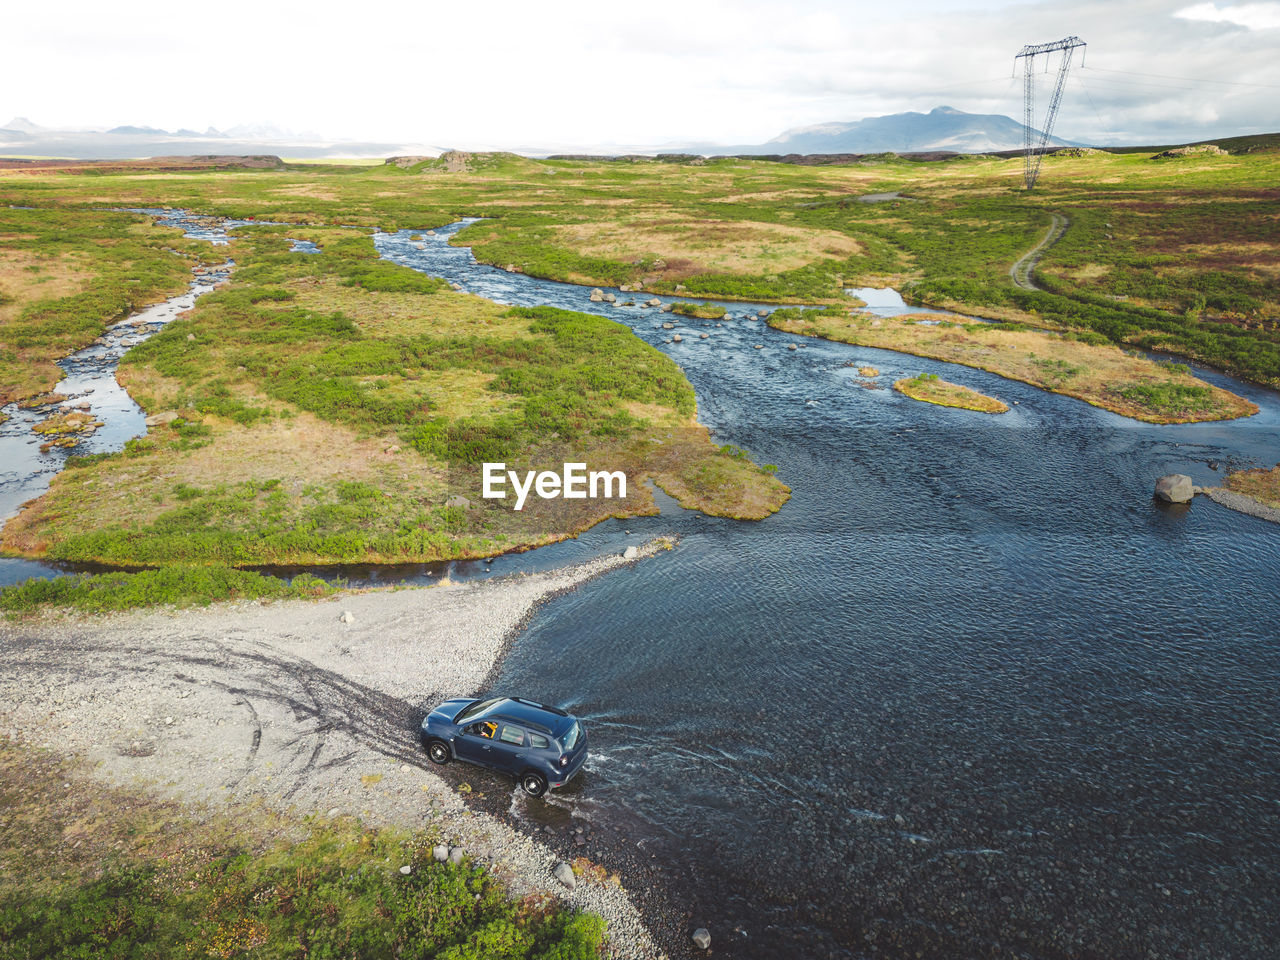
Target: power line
1167, 76
1144, 83
1106, 130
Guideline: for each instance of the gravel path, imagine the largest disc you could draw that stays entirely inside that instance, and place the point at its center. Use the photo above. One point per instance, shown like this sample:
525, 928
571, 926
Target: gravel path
286, 703
1022, 269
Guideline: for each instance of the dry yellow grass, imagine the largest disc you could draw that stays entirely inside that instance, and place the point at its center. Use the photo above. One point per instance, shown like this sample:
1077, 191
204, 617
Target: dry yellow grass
698, 246
947, 394
1261, 485
1099, 375
26, 276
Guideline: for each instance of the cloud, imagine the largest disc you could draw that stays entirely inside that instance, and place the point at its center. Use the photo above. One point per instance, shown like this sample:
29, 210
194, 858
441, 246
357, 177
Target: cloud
1251, 16
566, 72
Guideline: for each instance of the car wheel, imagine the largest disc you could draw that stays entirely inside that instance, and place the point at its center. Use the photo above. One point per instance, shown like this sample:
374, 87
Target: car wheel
438, 751
534, 784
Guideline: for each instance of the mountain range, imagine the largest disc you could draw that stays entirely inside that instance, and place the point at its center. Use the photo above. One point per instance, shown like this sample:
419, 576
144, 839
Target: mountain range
941, 129
21, 137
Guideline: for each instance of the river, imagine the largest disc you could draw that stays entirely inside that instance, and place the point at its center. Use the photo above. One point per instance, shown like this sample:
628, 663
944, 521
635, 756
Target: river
970, 693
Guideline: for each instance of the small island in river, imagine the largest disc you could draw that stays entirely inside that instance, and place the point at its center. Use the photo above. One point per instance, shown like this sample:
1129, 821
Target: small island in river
930, 389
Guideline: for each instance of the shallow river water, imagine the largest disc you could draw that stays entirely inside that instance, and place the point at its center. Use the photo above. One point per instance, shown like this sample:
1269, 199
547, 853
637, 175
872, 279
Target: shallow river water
970, 693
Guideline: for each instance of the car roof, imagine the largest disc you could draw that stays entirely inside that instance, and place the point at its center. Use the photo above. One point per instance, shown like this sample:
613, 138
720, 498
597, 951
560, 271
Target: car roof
539, 716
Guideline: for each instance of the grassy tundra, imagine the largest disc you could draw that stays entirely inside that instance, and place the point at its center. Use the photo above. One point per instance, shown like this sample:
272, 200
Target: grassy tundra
336, 408
330, 406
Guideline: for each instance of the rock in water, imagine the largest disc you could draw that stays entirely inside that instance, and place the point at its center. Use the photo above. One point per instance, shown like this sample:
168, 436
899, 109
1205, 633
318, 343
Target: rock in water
564, 873
630, 553
702, 938
1175, 488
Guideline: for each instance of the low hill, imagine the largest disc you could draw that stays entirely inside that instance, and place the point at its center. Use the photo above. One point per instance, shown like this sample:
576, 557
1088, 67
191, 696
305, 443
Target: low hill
942, 129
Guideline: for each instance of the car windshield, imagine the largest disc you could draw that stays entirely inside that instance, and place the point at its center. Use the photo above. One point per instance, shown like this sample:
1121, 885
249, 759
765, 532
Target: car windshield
477, 708
570, 739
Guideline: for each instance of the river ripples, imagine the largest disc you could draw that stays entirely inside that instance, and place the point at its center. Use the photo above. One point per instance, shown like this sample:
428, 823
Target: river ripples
970, 693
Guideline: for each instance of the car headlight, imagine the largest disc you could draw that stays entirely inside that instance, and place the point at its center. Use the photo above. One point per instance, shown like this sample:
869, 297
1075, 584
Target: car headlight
564, 761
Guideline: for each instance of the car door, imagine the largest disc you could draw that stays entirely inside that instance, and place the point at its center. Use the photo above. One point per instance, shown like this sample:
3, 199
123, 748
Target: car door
475, 743
510, 748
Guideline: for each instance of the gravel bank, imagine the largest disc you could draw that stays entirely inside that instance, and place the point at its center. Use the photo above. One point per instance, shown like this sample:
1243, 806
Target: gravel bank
1239, 502
286, 703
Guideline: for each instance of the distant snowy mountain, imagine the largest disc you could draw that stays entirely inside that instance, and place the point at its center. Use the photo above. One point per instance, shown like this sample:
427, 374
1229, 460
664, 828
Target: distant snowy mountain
941, 129
140, 131
21, 137
22, 125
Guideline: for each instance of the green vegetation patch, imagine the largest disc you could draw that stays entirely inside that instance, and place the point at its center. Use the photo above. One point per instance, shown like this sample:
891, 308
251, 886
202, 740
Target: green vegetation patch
107, 874
66, 274
176, 585
931, 389
703, 311
321, 420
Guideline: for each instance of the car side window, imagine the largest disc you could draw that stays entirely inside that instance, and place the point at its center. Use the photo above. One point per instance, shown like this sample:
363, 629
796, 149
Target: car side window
512, 735
540, 742
486, 729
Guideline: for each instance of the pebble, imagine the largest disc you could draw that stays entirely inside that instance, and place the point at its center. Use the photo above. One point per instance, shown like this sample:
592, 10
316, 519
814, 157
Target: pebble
702, 938
406, 870
564, 873
456, 854
347, 617
440, 852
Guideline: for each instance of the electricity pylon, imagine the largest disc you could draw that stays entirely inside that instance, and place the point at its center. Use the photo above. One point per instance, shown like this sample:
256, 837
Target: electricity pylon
1034, 150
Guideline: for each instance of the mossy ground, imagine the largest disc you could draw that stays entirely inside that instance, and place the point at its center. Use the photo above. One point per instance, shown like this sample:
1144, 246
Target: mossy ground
332, 404
65, 274
1261, 485
307, 372
930, 389
1177, 256
90, 870
1080, 365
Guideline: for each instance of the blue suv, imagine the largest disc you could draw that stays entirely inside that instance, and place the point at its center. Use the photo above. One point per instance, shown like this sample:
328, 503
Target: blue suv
540, 746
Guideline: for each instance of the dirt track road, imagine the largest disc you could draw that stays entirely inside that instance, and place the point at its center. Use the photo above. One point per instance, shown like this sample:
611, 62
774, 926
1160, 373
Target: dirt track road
1024, 267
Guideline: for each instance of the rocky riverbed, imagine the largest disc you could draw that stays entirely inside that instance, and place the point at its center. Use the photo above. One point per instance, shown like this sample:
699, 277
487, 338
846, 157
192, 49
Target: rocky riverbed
309, 706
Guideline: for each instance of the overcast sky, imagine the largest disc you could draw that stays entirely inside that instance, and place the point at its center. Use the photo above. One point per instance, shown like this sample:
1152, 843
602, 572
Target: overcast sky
493, 72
